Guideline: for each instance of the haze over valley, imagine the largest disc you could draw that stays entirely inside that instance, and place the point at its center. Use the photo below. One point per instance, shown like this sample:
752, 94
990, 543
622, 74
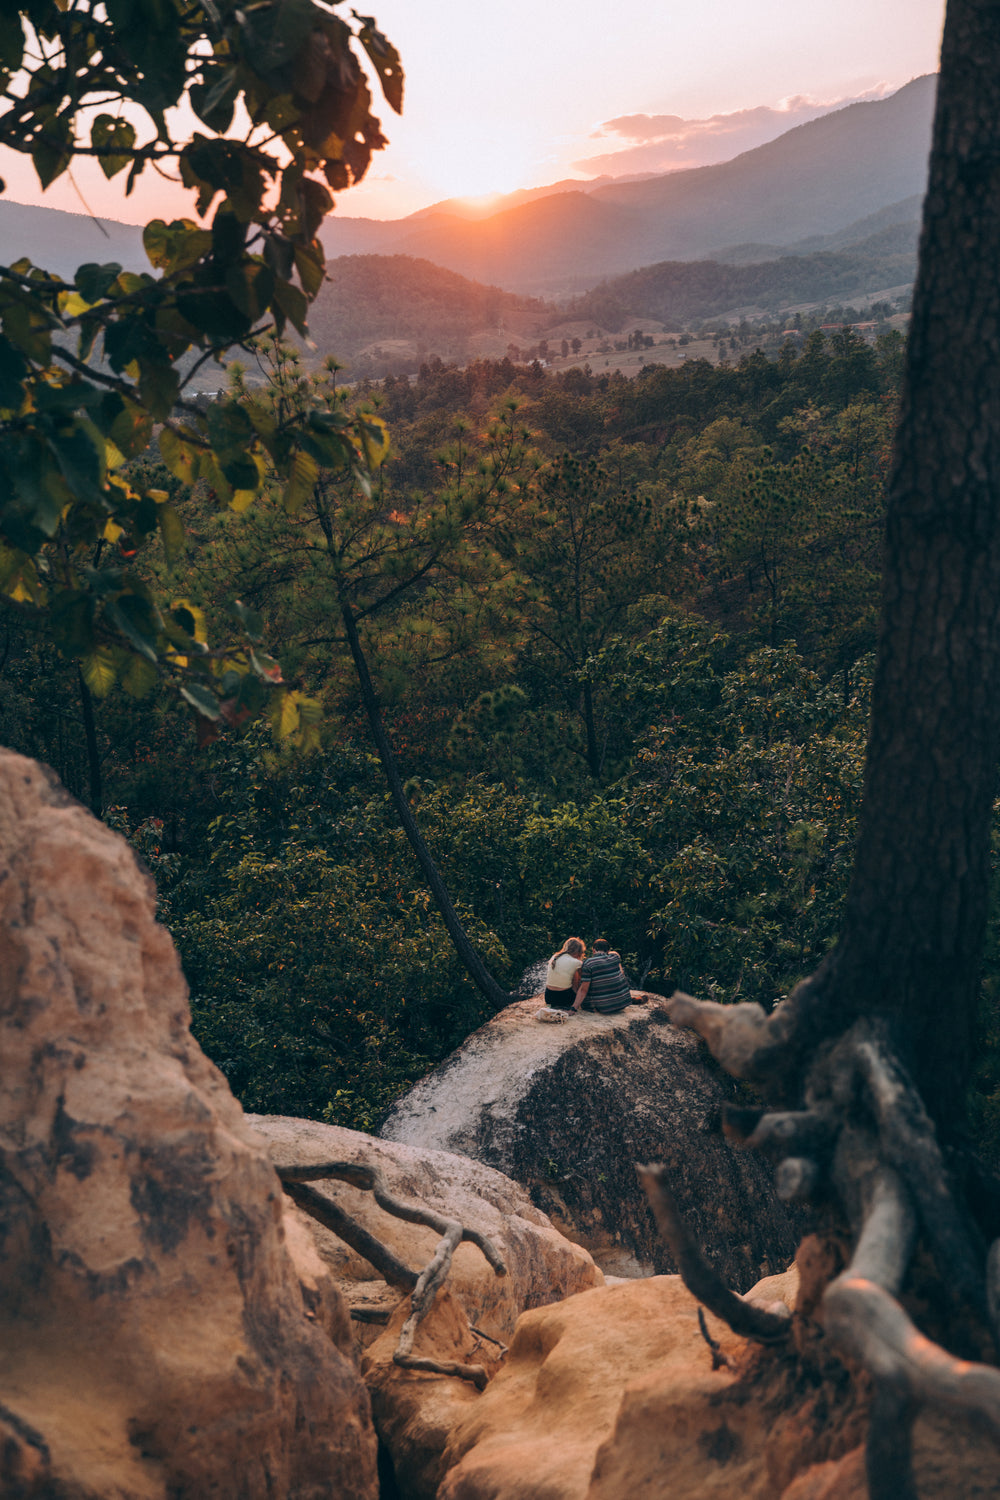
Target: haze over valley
826, 216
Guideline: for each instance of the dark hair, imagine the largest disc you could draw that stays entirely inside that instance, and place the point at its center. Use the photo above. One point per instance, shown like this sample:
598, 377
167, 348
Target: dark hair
601, 945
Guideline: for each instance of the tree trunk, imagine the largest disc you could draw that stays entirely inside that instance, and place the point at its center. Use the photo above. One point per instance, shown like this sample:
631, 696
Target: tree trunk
913, 933
478, 972
93, 754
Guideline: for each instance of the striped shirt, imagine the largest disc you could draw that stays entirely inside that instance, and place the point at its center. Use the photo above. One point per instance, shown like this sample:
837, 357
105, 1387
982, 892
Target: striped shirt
609, 991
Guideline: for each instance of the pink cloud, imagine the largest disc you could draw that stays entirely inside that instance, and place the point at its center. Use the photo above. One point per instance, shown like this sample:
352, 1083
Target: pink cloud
663, 143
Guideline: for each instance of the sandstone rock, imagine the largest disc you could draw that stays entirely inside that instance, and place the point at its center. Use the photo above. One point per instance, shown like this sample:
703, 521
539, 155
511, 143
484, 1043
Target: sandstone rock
542, 1266
415, 1411
562, 1420
568, 1110
611, 1395
154, 1341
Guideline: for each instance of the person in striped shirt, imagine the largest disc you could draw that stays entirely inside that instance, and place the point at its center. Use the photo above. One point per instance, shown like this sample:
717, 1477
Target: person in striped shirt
603, 986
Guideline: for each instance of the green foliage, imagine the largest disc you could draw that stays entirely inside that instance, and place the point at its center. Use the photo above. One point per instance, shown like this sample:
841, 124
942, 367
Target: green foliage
88, 366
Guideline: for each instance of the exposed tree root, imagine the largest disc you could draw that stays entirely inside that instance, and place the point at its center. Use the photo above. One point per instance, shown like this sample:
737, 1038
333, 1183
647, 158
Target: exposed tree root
865, 1145
423, 1288
701, 1279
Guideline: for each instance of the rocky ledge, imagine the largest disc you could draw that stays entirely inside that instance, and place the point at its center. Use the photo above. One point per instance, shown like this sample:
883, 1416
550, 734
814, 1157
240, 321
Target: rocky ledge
567, 1110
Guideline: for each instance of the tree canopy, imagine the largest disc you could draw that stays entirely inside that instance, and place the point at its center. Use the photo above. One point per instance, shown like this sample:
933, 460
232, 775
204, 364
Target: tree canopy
91, 368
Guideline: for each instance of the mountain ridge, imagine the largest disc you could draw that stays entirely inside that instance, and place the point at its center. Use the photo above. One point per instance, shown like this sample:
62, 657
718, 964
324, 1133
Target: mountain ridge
811, 181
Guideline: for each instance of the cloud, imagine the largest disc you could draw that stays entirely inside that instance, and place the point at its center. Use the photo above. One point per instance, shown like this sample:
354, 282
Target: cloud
664, 143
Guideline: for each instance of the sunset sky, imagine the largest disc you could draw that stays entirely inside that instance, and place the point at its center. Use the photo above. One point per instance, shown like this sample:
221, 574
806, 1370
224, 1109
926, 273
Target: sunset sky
532, 92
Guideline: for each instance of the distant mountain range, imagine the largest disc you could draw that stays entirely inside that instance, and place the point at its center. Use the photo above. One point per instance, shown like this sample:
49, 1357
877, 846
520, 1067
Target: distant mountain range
806, 186
828, 212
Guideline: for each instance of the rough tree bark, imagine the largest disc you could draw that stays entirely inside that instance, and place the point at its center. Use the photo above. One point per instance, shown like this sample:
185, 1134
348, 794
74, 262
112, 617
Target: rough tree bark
884, 1026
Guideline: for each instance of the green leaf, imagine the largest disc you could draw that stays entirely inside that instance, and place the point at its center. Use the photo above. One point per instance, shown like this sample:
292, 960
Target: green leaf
181, 458
133, 617
384, 59
191, 619
50, 159
202, 699
302, 476
94, 282
126, 423
172, 532
13, 369
266, 668
311, 266
114, 139
229, 428
99, 671
374, 440
284, 715
214, 99
140, 677
11, 43
292, 303
71, 621
159, 386
249, 619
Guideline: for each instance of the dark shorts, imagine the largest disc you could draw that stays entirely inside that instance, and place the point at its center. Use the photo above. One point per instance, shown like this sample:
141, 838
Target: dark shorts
560, 999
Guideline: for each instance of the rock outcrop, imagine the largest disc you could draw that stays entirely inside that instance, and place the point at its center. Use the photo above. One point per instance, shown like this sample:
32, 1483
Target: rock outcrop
568, 1110
542, 1266
154, 1337
605, 1396
612, 1394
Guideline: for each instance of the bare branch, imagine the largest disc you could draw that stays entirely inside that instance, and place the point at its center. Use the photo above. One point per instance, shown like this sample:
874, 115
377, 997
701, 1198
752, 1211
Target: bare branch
370, 1179
720, 1360
701, 1279
863, 1319
423, 1289
334, 1218
889, 1445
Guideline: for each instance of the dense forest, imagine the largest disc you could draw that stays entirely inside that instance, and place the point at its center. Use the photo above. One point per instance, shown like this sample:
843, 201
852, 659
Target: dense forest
622, 633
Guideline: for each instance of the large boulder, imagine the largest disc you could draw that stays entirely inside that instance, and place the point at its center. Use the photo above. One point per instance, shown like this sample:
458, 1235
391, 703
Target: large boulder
567, 1110
612, 1394
155, 1339
542, 1265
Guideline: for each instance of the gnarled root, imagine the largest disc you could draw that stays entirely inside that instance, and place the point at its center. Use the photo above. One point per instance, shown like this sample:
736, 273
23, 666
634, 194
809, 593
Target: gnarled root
701, 1279
866, 1142
423, 1288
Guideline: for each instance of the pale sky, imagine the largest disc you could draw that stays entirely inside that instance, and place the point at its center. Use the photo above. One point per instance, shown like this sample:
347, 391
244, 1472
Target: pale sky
530, 92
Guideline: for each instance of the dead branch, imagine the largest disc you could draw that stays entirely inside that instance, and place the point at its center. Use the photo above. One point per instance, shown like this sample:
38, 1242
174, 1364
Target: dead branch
796, 1179
720, 1360
889, 1445
864, 1320
701, 1279
475, 1374
340, 1223
423, 1288
370, 1180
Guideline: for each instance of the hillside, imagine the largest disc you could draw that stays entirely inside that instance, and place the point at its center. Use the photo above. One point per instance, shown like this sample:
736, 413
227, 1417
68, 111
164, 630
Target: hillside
61, 242
373, 300
677, 292
808, 184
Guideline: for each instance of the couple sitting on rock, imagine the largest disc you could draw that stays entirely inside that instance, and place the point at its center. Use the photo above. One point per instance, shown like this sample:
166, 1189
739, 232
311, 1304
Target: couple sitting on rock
574, 982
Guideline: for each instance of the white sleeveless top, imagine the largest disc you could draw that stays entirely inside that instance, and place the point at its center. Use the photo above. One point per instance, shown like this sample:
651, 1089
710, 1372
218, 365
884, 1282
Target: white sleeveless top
559, 975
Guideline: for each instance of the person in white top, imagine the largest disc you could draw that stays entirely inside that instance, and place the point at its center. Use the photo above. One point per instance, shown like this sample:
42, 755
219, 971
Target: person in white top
563, 974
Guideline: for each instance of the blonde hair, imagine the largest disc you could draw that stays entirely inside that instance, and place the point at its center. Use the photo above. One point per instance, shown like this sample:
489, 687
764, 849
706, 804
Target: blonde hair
575, 947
